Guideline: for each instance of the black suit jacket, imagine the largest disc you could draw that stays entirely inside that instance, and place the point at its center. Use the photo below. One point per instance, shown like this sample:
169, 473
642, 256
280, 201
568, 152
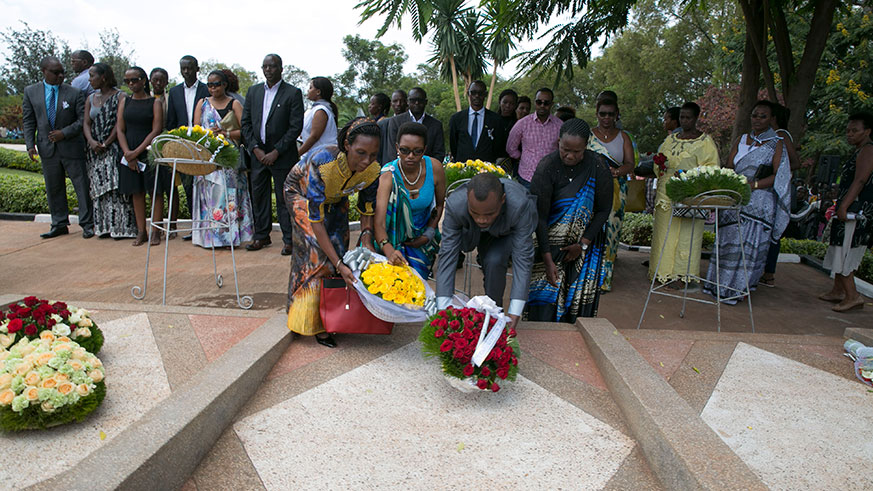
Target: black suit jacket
492, 141
69, 117
436, 140
177, 111
284, 122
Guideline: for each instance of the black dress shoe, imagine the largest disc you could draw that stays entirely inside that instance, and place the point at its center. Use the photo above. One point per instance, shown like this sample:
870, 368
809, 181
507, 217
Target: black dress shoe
55, 232
258, 244
87, 234
286, 250
325, 339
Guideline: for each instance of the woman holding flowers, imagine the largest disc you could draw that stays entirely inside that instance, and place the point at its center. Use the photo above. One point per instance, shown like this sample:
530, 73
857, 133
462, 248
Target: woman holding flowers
574, 191
684, 151
616, 145
760, 156
409, 204
140, 119
222, 195
113, 211
317, 195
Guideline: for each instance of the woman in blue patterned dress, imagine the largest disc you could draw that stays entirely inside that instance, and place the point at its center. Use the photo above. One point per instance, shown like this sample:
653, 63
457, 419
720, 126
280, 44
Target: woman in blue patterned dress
574, 191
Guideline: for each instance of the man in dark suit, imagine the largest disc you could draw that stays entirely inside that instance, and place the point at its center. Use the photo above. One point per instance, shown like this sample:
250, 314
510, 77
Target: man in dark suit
477, 133
53, 112
436, 143
271, 122
181, 100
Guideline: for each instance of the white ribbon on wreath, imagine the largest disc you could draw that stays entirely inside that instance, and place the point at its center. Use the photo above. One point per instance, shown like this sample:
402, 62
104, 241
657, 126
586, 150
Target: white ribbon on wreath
487, 338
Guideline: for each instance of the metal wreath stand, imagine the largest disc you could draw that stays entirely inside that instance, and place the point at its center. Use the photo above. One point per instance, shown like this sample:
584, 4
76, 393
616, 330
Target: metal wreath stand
195, 161
697, 208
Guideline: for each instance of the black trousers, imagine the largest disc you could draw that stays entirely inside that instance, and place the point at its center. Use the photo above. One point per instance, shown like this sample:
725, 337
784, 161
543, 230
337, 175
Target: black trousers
262, 207
494, 253
54, 171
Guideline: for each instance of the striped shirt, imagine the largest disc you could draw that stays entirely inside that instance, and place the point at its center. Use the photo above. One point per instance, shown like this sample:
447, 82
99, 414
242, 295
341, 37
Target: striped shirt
535, 139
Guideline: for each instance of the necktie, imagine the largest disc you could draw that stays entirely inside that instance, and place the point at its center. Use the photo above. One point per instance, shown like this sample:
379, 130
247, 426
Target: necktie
474, 131
50, 110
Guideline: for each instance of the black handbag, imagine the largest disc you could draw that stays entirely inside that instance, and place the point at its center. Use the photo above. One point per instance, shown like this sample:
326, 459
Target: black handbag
763, 172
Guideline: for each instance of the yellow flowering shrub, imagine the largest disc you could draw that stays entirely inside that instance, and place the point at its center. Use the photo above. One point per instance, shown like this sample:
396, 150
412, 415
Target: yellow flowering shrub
396, 284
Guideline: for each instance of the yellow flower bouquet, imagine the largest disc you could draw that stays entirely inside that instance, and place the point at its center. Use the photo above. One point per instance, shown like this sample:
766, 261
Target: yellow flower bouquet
457, 173
396, 284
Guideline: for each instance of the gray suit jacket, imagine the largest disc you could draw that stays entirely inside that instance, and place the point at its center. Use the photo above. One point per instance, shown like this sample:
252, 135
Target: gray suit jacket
436, 141
517, 219
69, 116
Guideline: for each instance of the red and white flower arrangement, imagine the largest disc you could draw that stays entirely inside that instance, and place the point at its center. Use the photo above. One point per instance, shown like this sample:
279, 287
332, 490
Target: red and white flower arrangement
33, 316
479, 359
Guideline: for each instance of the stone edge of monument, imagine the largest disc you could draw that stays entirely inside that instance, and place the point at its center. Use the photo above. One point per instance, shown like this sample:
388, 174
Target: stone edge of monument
859, 334
681, 449
163, 448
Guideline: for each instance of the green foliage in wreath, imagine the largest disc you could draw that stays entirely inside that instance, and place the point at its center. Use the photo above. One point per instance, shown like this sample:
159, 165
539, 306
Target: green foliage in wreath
702, 179
34, 418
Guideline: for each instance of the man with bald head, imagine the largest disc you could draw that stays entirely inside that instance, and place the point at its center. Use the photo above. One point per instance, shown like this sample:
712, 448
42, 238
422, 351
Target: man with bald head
53, 113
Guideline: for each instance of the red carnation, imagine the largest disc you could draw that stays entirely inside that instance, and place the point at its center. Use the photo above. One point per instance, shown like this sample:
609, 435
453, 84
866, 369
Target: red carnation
485, 372
458, 354
24, 312
454, 324
503, 373
514, 360
30, 330
439, 333
41, 321
468, 370
30, 301
461, 343
495, 387
59, 306
11, 315
14, 325
64, 313
446, 346
468, 333
482, 383
435, 322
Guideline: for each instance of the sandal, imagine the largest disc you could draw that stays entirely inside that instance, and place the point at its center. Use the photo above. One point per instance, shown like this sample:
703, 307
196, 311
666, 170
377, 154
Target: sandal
768, 282
325, 339
140, 239
831, 297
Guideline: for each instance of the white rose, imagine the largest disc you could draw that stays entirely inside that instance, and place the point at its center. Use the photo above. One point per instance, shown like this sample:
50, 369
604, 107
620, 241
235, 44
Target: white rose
61, 329
75, 318
6, 340
57, 318
4, 327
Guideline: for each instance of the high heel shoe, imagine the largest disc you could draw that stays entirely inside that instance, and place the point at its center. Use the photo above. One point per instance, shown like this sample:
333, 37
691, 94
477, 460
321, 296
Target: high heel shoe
325, 339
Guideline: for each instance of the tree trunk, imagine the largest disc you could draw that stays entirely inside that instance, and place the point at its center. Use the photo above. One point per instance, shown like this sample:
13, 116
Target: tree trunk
782, 42
816, 40
455, 83
491, 90
748, 89
754, 13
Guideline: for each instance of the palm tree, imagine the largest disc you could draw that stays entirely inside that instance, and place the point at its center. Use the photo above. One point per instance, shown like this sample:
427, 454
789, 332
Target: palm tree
500, 37
447, 21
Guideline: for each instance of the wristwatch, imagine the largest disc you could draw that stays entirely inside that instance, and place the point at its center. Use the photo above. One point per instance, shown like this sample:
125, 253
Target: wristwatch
584, 246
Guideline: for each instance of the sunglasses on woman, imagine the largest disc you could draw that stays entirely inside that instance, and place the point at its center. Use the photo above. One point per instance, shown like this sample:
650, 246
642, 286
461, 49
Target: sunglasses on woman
418, 152
130, 81
214, 85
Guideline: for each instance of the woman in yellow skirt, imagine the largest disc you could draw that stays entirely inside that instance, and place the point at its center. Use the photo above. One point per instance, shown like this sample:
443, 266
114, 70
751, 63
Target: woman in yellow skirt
684, 151
317, 195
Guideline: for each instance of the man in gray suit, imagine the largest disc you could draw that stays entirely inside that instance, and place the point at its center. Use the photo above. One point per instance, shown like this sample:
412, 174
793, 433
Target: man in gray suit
498, 217
53, 112
436, 142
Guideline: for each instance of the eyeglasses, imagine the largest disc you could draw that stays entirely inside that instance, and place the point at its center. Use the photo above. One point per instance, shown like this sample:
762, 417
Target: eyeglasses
57, 72
418, 152
480, 93
606, 114
130, 81
416, 100
214, 85
541, 102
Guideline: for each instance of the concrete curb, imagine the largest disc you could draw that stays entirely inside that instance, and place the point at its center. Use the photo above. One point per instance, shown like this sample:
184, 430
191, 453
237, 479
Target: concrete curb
783, 257
163, 448
682, 450
862, 286
859, 334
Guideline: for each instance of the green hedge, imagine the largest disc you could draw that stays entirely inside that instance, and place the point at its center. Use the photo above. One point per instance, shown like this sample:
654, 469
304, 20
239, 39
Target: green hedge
12, 141
818, 249
636, 229
26, 194
14, 159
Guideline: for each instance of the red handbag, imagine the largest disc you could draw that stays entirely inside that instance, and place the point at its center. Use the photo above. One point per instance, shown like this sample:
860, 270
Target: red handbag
341, 310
